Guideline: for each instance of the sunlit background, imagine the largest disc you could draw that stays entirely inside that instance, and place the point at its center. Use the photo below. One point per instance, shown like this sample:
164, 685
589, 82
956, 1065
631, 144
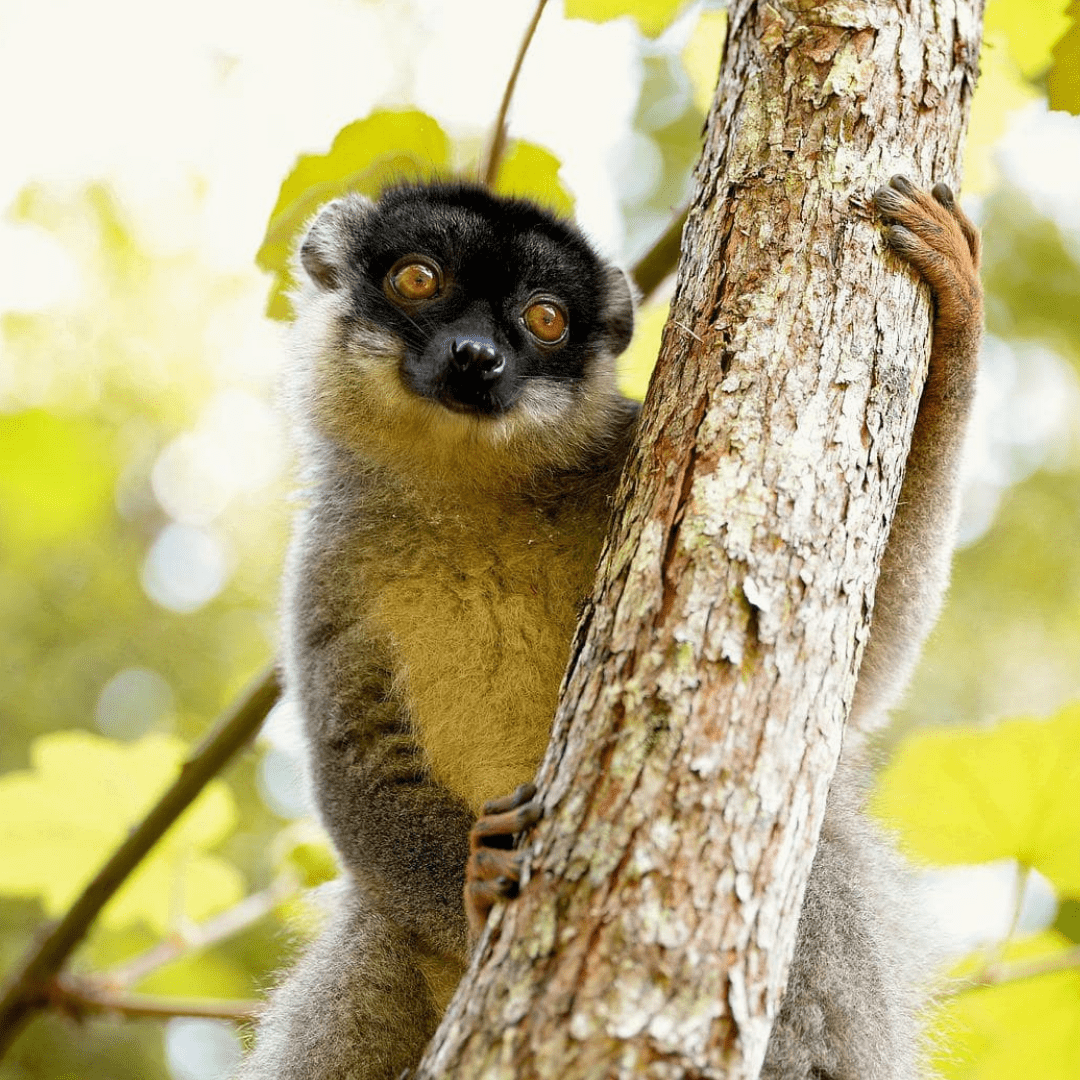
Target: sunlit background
144, 475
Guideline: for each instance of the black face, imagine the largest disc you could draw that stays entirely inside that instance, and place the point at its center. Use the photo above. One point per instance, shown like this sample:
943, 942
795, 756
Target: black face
485, 292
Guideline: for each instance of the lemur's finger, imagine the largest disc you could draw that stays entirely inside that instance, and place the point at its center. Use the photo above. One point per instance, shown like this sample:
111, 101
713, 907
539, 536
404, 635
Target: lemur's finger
944, 195
504, 824
487, 864
903, 185
525, 793
480, 898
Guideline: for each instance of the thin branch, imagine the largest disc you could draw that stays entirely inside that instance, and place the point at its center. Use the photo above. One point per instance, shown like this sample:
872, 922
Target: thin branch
222, 926
79, 996
1023, 876
497, 141
993, 953
1013, 971
661, 259
28, 988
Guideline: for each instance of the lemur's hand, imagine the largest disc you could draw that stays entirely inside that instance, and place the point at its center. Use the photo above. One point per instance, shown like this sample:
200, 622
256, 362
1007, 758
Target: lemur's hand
494, 868
936, 237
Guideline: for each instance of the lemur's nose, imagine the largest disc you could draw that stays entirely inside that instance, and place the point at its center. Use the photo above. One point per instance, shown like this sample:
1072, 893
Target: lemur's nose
478, 356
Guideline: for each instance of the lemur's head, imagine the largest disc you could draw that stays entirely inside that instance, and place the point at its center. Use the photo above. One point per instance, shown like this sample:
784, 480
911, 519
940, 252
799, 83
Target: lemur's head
443, 317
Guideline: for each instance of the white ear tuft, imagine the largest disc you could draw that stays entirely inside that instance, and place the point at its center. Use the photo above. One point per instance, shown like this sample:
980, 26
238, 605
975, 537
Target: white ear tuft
324, 251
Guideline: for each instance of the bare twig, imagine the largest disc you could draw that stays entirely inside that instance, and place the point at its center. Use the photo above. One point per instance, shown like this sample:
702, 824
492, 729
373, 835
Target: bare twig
29, 987
201, 936
79, 996
661, 259
497, 141
998, 974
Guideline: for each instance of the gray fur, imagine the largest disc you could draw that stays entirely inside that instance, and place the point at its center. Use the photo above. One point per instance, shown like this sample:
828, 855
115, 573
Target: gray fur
494, 528
357, 986
862, 964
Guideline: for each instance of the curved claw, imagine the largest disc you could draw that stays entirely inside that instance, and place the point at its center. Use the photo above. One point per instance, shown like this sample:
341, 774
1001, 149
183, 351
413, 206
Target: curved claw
493, 870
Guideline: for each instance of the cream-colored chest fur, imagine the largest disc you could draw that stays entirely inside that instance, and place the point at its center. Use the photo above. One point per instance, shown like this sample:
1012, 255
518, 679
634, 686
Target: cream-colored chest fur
480, 622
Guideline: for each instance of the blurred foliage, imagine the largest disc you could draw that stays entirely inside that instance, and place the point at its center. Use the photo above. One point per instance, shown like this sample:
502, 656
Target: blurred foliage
1029, 271
964, 795
636, 364
95, 391
1063, 80
1030, 1027
121, 406
1002, 89
1028, 31
1067, 922
62, 819
651, 16
702, 56
1029, 49
1009, 642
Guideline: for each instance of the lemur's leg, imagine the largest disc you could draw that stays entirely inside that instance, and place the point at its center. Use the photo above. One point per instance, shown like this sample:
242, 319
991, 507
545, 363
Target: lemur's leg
361, 1004
851, 1007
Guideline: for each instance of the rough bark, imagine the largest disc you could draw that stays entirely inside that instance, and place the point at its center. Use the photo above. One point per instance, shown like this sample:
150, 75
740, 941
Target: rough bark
703, 710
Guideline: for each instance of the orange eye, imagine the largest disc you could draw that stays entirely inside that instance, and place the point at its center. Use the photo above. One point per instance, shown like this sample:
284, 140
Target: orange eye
546, 321
415, 280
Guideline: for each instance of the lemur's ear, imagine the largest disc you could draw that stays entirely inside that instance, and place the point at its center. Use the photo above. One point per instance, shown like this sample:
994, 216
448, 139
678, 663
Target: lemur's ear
618, 310
324, 251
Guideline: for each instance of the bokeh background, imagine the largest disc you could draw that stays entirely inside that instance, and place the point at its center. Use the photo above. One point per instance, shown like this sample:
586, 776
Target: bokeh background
145, 486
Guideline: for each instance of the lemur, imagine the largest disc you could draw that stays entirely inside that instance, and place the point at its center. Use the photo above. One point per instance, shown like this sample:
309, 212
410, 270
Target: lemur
453, 392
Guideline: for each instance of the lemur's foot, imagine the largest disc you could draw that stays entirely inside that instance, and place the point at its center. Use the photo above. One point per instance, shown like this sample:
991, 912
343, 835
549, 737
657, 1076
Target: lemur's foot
494, 868
933, 234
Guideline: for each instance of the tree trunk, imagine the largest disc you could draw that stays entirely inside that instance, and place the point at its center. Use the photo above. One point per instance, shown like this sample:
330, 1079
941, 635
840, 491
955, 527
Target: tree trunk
703, 710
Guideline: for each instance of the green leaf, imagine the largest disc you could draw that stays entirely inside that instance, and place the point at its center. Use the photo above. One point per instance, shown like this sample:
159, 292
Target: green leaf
1001, 90
63, 817
365, 156
1028, 30
532, 172
652, 16
312, 861
702, 56
967, 796
54, 474
1030, 1027
1063, 80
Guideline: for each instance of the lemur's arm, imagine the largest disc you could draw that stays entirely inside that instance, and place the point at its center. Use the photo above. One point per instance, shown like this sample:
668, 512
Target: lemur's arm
400, 833
937, 239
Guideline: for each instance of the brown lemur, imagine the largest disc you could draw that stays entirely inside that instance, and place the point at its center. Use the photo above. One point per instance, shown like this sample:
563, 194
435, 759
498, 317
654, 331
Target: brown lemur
461, 434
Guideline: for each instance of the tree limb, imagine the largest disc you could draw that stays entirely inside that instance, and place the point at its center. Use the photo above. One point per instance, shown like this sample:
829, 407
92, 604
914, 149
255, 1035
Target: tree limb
78, 996
702, 711
28, 988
